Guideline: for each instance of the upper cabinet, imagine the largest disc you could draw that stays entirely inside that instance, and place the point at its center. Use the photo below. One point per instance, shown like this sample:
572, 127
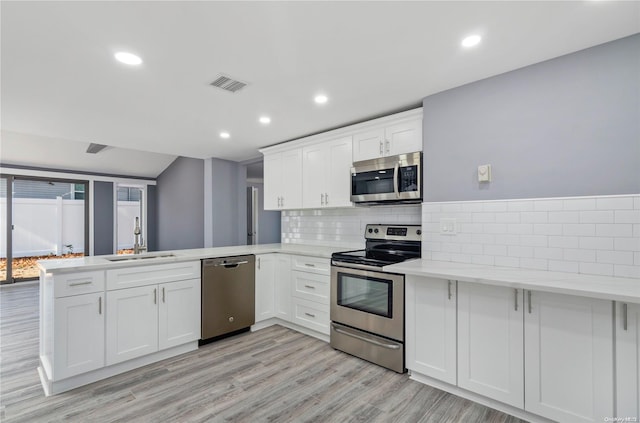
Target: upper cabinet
283, 180
315, 172
388, 140
326, 174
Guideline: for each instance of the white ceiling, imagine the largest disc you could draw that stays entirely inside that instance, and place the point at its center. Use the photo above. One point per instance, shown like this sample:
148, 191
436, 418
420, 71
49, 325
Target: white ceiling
60, 80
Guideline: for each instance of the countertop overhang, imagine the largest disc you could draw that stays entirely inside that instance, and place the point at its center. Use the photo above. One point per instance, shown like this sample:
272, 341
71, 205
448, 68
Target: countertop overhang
89, 263
603, 287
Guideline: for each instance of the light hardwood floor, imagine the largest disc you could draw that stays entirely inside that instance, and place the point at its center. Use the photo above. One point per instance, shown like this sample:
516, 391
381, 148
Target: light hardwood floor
274, 375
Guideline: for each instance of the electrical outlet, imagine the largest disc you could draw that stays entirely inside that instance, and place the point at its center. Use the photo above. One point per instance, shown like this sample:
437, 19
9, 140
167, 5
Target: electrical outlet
448, 226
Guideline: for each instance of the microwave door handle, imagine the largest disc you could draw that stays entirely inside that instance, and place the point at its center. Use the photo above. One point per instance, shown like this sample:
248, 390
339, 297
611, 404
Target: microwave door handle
396, 169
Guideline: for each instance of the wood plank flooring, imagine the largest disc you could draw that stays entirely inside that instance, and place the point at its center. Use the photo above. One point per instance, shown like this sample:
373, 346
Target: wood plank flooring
274, 375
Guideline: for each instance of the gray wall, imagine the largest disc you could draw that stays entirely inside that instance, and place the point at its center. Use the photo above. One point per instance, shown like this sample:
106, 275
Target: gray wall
103, 219
565, 127
180, 205
228, 203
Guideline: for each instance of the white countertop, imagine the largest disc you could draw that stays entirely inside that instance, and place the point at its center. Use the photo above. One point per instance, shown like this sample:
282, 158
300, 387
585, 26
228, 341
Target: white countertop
102, 262
604, 287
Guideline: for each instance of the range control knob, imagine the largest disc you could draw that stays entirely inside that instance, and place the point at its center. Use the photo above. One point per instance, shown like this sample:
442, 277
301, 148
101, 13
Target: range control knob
370, 230
376, 230
419, 232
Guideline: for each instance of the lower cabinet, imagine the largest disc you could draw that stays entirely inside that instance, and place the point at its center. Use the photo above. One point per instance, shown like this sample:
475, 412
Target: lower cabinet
265, 286
490, 342
146, 319
548, 354
431, 327
628, 360
79, 334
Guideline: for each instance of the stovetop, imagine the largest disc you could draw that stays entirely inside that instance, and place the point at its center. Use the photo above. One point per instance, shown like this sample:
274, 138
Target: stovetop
386, 245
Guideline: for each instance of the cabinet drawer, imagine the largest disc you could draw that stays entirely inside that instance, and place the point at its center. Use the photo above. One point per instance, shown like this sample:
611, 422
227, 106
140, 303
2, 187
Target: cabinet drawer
68, 284
311, 315
311, 286
149, 275
311, 264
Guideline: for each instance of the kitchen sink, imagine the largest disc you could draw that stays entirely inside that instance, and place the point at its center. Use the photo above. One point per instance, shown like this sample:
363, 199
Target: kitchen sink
130, 257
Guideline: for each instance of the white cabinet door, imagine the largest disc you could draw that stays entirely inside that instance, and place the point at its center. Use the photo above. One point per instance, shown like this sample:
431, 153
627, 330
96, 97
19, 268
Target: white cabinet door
265, 286
132, 323
314, 163
568, 357
404, 137
368, 145
79, 334
490, 342
282, 281
291, 168
272, 181
431, 327
338, 172
628, 359
178, 313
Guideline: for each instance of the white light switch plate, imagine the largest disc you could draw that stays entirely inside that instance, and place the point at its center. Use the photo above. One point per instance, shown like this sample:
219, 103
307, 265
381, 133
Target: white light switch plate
448, 226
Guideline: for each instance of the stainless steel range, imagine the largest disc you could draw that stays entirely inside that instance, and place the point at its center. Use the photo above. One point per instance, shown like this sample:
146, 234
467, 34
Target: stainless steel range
367, 304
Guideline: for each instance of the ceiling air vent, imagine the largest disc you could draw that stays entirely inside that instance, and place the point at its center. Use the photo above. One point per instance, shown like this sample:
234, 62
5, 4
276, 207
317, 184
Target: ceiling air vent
228, 84
95, 148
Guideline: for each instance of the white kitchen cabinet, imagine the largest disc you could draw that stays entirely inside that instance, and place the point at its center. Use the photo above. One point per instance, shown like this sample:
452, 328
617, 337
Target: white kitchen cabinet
628, 360
79, 334
178, 313
568, 357
326, 173
282, 284
430, 306
265, 286
283, 180
388, 140
132, 323
490, 342
310, 286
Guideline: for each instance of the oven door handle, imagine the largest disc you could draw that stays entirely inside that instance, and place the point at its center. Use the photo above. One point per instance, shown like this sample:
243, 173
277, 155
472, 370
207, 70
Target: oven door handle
396, 169
362, 338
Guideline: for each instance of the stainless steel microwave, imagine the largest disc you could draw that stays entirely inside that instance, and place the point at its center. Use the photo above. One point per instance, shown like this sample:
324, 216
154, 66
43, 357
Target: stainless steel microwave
393, 179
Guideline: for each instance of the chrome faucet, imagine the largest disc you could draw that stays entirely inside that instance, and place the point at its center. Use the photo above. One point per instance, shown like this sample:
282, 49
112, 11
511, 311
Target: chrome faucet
137, 246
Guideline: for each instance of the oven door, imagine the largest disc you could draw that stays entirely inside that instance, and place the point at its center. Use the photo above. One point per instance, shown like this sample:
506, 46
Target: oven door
368, 300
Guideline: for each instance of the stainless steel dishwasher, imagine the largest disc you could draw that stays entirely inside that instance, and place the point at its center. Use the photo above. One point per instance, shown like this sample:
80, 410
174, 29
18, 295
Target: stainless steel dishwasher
228, 295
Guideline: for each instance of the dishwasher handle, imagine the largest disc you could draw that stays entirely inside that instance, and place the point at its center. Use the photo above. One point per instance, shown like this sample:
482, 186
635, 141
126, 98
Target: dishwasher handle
226, 263
231, 265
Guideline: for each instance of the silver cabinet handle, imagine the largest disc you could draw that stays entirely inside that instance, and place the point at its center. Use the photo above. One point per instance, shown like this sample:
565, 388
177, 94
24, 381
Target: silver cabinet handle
516, 297
449, 289
100, 305
529, 297
321, 199
155, 295
80, 283
381, 152
258, 263
362, 338
281, 201
310, 315
310, 265
310, 286
386, 143
163, 295
326, 199
625, 318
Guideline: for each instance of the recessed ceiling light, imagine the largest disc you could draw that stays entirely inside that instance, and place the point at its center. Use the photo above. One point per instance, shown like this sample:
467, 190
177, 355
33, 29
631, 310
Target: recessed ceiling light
471, 41
128, 58
224, 135
265, 120
320, 99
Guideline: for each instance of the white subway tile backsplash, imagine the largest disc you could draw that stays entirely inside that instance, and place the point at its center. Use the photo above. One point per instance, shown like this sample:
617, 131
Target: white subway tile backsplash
614, 257
596, 216
615, 203
597, 235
